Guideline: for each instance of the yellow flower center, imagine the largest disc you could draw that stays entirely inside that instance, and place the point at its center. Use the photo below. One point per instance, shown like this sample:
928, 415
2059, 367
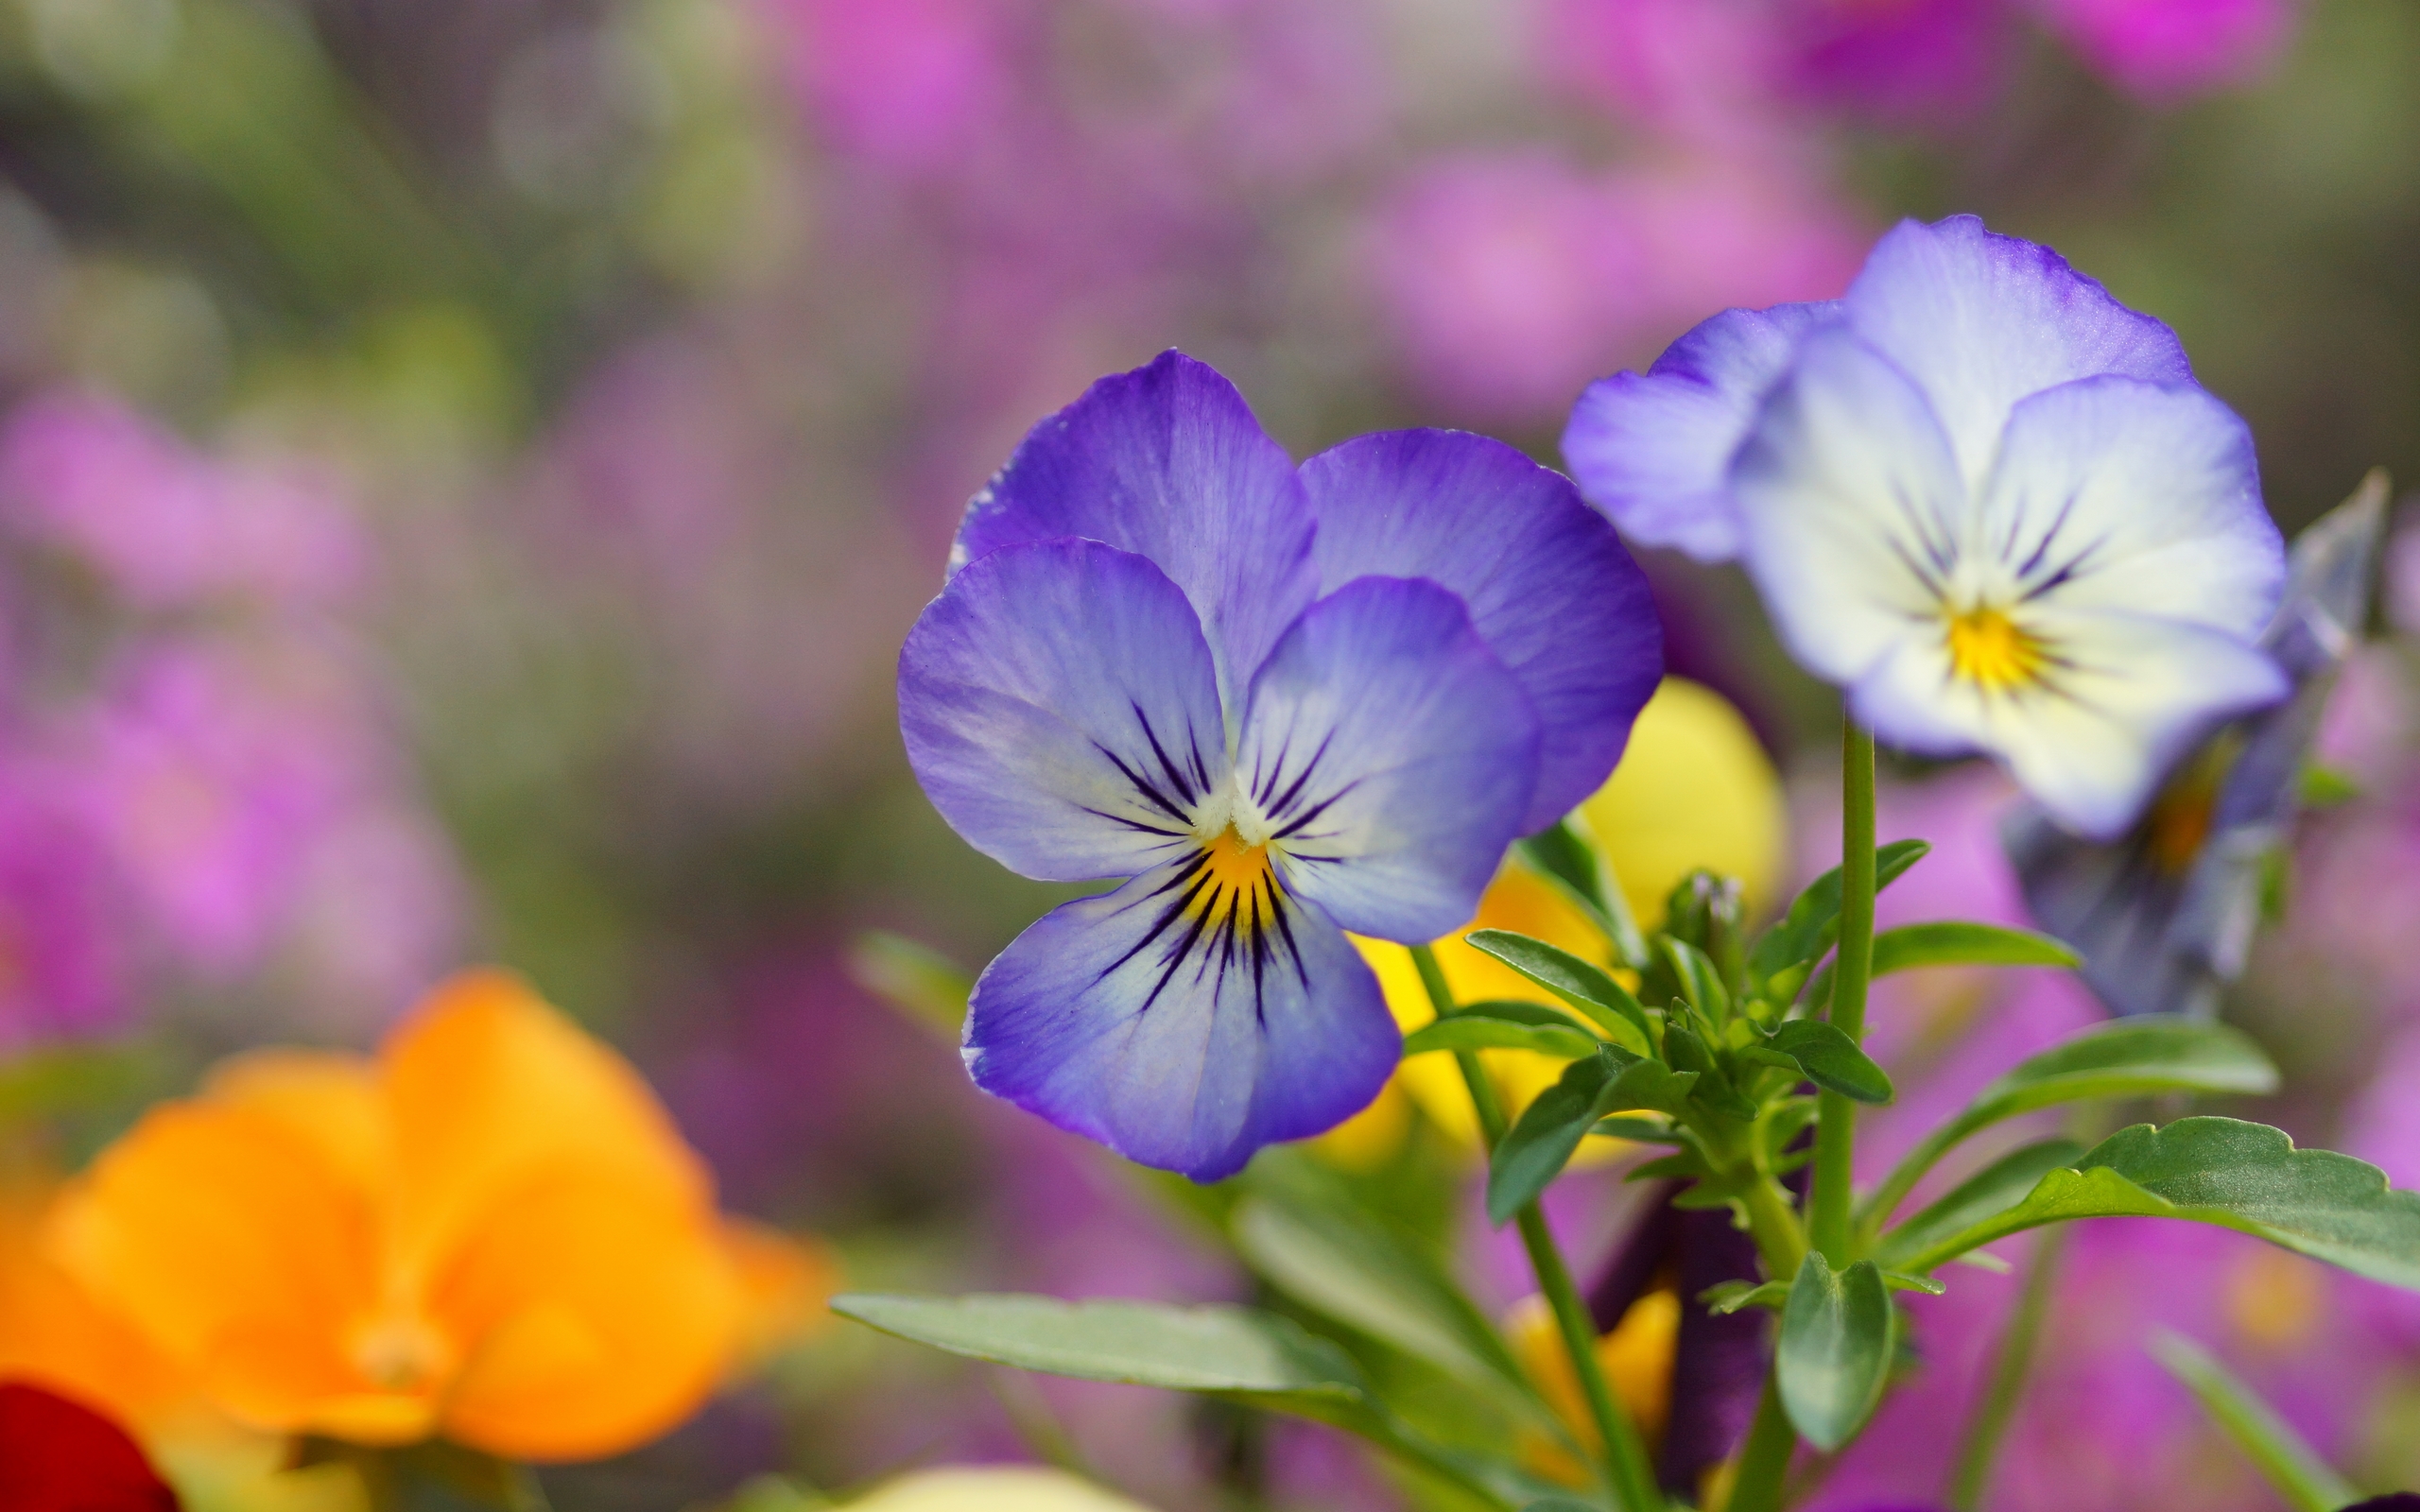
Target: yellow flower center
1236, 878
1987, 648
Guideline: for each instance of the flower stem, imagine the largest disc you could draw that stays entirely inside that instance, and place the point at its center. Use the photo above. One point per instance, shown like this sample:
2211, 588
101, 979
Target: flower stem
1626, 1466
1757, 1483
1827, 1203
2010, 1366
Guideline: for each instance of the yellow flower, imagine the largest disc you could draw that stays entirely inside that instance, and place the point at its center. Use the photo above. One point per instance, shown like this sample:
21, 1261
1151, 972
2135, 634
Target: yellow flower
491, 1233
1636, 1358
1694, 789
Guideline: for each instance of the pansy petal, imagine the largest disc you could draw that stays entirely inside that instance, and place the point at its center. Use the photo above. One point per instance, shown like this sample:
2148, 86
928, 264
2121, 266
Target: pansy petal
1392, 757
1981, 320
1060, 709
2115, 493
1165, 461
1653, 449
1548, 584
1182, 1027
1853, 507
2128, 697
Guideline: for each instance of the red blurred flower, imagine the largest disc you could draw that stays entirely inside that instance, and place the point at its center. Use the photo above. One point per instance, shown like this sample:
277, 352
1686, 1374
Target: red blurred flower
56, 1455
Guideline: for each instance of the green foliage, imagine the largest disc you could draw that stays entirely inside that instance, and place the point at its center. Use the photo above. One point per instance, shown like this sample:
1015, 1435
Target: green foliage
1837, 1342
1957, 942
1480, 1031
1605, 1002
1807, 930
1994, 1189
2223, 1171
922, 983
1831, 1060
2304, 1480
1536, 1148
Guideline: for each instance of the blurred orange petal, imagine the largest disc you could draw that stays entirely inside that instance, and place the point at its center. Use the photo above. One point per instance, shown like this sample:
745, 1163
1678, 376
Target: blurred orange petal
331, 1102
784, 1285
489, 1085
601, 1316
51, 1333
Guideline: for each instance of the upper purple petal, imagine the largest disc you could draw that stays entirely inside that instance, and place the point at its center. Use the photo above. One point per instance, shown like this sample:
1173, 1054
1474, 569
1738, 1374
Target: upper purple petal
1060, 709
1981, 320
1548, 584
1653, 449
1165, 461
1391, 756
1178, 1034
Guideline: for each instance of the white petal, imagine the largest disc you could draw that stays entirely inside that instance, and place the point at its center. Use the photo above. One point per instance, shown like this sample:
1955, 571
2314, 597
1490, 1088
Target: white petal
1853, 507
2115, 493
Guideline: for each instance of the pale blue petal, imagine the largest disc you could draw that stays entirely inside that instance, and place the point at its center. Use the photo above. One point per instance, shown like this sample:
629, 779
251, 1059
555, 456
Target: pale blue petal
1167, 461
1389, 756
1182, 1036
2115, 494
1854, 507
1653, 450
1981, 320
1548, 584
1060, 709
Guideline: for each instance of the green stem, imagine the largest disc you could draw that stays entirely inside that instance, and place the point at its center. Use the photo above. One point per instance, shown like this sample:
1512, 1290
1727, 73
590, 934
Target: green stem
2014, 1363
1773, 1225
1763, 1472
1835, 1116
1626, 1466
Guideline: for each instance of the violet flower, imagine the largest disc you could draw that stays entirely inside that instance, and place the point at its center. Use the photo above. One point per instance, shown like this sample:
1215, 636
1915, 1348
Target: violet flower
1281, 703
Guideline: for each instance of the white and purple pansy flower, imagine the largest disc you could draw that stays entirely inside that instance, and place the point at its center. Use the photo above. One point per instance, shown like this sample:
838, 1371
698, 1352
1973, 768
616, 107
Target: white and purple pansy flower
1978, 493
1279, 703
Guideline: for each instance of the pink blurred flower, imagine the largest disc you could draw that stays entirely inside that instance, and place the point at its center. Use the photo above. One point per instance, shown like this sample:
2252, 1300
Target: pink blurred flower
906, 82
63, 971
2168, 49
212, 776
164, 524
1905, 61
1511, 280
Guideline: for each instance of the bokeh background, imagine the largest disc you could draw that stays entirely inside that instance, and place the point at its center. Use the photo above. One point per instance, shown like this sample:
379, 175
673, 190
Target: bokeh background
466, 467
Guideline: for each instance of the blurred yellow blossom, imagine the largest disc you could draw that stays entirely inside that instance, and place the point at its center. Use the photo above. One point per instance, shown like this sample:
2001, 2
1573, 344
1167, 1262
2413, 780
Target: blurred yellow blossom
992, 1489
1694, 789
491, 1233
1638, 1361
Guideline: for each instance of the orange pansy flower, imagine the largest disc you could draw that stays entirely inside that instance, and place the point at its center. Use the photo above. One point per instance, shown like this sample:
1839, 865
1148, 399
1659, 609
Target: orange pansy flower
492, 1233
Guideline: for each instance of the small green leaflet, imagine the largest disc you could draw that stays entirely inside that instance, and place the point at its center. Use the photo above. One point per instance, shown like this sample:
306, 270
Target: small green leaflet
1957, 942
1994, 1189
1466, 1031
1534, 1151
1814, 918
1836, 1348
1585, 986
1831, 1060
1701, 983
2245, 1176
1689, 1053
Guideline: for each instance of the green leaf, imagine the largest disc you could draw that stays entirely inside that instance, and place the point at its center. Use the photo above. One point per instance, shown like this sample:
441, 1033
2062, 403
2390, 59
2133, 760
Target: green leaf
1730, 1297
1240, 1353
1645, 1130
2129, 1057
1587, 987
920, 982
1996, 1188
1701, 981
1565, 1041
1836, 1348
1516, 1010
1689, 1053
2223, 1171
1361, 1271
2304, 1480
1559, 1503
1534, 1151
2324, 787
1814, 918
1560, 852
1957, 942
1831, 1060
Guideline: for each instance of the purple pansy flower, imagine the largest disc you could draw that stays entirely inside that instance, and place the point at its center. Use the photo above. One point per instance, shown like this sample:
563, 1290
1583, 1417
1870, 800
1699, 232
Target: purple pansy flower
1281, 703
1978, 493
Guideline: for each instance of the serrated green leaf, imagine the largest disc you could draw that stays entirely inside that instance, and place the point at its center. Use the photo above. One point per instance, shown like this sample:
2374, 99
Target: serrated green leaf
2308, 1482
2223, 1171
1836, 1348
920, 982
1959, 942
1585, 986
1534, 1151
2129, 1057
1471, 1032
1996, 1188
1360, 1270
1831, 1060
1807, 930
